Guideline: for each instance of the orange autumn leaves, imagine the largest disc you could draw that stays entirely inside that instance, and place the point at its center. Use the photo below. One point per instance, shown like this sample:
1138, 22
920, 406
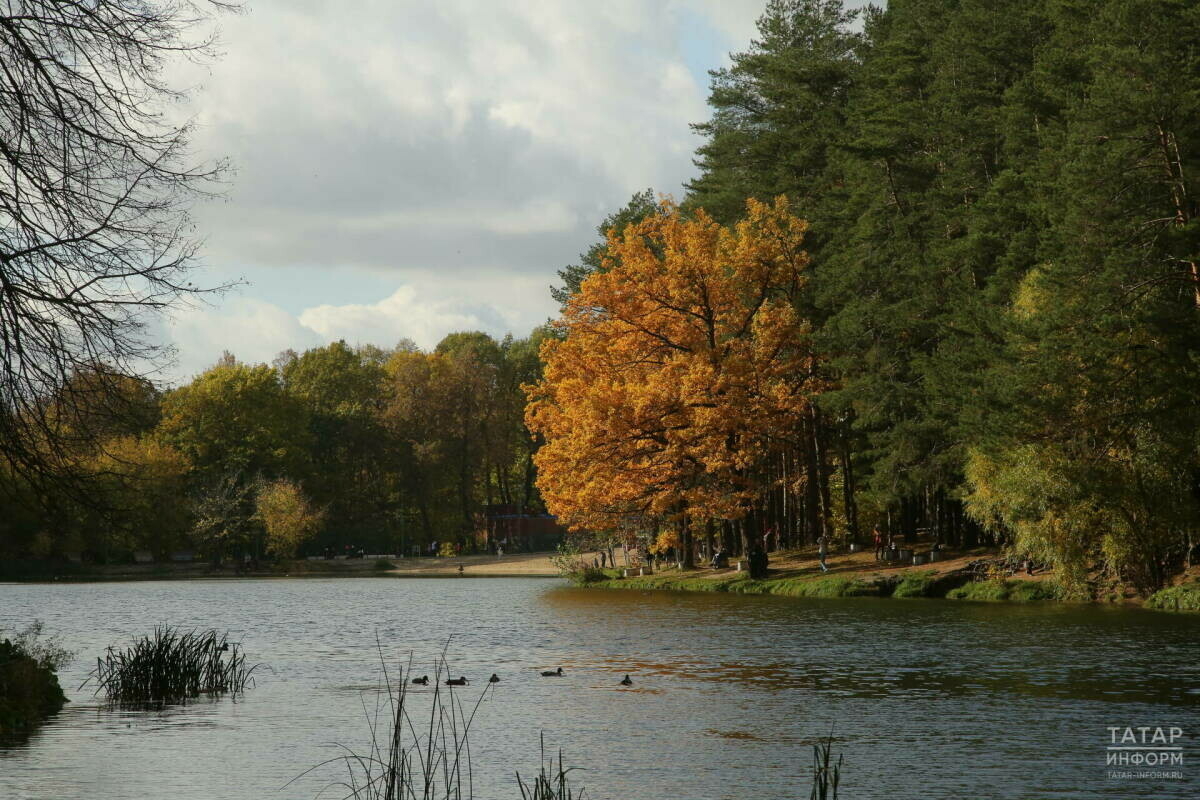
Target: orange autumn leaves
679, 370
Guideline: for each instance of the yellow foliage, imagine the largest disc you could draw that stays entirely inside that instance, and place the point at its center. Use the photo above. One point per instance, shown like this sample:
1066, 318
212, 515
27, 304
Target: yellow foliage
286, 516
666, 540
678, 369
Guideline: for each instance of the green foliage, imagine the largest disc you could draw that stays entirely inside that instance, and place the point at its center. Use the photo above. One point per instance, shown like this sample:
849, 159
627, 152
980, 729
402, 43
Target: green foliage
1185, 597
330, 449
237, 419
640, 206
29, 688
1006, 238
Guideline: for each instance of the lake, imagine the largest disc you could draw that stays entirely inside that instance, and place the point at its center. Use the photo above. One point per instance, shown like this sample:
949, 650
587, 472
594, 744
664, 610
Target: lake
925, 698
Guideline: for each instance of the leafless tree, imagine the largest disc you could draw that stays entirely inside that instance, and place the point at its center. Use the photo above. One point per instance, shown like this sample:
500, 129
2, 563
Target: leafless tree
96, 186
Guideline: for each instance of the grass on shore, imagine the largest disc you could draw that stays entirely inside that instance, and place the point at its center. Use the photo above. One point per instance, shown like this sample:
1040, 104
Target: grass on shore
1185, 597
740, 583
912, 584
1007, 591
916, 584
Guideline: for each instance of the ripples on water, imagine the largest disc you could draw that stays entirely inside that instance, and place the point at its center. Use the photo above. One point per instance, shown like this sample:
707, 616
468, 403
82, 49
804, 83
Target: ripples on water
926, 699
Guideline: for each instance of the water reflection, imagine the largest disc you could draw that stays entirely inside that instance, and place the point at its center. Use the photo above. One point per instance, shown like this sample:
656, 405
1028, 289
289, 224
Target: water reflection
728, 695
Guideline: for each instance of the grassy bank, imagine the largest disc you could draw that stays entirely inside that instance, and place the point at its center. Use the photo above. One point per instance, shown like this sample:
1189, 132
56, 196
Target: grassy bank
851, 575
909, 586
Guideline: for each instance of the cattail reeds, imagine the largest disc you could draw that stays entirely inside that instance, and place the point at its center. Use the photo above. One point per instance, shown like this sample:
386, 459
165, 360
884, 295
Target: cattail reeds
171, 666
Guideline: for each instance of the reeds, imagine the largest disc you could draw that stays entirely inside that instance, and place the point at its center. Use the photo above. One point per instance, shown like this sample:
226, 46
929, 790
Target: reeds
549, 784
423, 756
171, 667
826, 775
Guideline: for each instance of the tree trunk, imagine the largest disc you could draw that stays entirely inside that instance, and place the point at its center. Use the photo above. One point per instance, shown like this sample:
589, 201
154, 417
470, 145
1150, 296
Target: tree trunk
848, 486
812, 491
685, 542
820, 444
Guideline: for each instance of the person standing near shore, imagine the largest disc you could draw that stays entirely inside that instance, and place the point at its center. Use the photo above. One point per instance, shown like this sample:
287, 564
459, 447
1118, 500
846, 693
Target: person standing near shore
878, 543
822, 546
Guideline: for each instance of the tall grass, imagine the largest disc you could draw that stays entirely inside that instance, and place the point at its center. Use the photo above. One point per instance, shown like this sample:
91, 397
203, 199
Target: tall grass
171, 666
551, 781
425, 756
826, 775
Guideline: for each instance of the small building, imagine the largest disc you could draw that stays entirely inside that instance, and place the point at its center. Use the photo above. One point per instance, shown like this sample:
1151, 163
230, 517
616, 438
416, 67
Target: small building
518, 530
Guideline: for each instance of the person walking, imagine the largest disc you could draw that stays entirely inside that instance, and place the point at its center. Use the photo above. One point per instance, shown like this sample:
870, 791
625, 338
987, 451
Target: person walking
878, 544
822, 546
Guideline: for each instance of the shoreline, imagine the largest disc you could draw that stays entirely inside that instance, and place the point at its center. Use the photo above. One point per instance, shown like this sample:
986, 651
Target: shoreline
521, 565
798, 574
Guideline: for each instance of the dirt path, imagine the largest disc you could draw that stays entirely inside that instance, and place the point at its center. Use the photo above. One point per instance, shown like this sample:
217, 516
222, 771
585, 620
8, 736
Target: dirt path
520, 564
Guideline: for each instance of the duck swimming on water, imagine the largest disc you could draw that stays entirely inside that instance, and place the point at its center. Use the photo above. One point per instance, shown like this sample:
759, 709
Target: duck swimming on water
494, 679
421, 681
459, 681
627, 682
552, 673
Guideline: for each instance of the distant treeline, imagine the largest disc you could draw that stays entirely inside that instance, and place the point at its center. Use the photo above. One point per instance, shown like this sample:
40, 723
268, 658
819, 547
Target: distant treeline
999, 311
325, 450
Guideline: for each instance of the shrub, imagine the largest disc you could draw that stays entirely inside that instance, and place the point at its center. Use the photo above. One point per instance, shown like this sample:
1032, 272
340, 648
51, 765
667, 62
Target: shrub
593, 575
29, 688
1185, 597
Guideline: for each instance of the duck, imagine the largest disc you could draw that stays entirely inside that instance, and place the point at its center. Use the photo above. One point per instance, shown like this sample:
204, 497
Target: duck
421, 681
459, 681
494, 679
552, 673
627, 682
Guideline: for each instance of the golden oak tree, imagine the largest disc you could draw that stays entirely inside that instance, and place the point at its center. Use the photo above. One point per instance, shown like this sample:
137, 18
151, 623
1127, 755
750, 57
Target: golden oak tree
676, 372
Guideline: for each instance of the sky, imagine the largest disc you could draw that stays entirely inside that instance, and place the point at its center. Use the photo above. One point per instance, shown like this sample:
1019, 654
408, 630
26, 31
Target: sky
405, 169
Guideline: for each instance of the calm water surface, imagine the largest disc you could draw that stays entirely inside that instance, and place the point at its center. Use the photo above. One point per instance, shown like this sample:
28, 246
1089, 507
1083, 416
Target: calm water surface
927, 699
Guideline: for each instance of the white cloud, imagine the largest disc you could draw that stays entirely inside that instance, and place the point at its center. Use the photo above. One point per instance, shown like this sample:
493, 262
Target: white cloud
411, 110
256, 331
426, 167
253, 330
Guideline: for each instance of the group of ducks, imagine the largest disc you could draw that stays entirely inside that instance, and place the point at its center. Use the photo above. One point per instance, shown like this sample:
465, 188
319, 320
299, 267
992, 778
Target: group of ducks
461, 681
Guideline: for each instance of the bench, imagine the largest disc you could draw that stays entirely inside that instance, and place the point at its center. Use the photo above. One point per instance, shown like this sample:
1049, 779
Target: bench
635, 572
741, 565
